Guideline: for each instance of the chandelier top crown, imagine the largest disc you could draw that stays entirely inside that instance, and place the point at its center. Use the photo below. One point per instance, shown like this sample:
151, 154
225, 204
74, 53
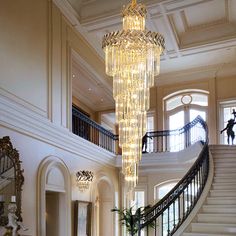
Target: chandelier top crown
135, 9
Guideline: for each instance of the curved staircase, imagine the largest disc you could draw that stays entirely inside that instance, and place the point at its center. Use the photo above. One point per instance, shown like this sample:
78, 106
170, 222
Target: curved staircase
217, 216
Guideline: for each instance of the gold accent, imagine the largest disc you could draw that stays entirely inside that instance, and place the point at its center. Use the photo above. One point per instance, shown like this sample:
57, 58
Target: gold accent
6, 149
132, 58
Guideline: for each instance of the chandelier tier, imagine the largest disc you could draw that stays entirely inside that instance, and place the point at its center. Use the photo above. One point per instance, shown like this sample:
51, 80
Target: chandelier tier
132, 58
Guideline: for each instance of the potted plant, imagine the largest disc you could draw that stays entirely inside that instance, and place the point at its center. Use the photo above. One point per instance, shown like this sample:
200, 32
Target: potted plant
131, 219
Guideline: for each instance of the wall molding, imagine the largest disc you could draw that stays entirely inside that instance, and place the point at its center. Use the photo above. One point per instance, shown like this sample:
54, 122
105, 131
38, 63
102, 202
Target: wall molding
21, 102
22, 120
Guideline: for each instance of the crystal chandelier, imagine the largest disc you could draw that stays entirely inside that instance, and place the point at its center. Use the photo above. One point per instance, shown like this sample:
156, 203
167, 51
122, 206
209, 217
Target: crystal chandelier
132, 58
84, 178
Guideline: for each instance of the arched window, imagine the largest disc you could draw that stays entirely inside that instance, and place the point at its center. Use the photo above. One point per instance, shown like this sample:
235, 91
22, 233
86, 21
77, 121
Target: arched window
160, 191
183, 107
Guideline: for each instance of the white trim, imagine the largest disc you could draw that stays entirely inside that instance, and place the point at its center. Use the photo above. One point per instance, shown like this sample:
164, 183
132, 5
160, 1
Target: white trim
27, 122
22, 102
46, 165
73, 17
95, 197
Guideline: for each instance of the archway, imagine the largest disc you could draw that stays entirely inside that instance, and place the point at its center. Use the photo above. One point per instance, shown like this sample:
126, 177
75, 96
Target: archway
54, 185
103, 196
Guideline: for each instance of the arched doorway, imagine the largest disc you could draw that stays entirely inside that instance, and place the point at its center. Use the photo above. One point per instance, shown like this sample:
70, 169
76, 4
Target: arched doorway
105, 206
103, 195
54, 198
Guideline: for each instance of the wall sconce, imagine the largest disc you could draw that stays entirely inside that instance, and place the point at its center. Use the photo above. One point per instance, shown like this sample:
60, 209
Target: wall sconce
84, 178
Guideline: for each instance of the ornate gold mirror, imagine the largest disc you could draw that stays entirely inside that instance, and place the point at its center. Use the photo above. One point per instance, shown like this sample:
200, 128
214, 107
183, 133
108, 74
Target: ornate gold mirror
11, 180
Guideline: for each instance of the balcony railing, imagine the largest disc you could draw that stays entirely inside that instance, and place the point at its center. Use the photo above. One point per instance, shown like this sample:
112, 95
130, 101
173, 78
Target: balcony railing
155, 141
93, 132
177, 140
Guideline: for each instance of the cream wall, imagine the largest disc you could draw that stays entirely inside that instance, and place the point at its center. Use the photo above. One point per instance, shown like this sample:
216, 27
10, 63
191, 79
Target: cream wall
35, 96
24, 53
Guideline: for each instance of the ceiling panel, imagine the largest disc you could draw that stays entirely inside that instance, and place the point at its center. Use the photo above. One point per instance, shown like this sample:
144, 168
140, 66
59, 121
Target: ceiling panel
89, 90
197, 33
204, 13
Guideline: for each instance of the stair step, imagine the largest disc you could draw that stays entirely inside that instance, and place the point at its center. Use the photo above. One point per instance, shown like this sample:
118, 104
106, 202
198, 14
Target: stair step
223, 148
204, 234
225, 165
221, 201
224, 186
220, 209
231, 170
224, 180
223, 193
226, 175
216, 218
223, 155
213, 228
221, 159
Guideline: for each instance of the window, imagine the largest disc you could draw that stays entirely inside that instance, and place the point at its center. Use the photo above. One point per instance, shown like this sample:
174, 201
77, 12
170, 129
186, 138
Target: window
139, 201
180, 109
160, 192
226, 110
150, 127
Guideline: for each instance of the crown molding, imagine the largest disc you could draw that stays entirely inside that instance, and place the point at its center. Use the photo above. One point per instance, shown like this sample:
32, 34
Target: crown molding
88, 70
74, 18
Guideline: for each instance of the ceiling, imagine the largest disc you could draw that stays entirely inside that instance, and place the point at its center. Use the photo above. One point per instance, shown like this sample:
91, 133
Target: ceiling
198, 34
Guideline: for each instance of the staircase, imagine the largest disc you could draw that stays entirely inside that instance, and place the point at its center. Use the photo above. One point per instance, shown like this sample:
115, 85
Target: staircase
217, 216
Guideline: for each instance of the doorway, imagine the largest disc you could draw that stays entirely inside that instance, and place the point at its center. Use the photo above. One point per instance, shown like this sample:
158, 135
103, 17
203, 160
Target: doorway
105, 206
52, 213
54, 198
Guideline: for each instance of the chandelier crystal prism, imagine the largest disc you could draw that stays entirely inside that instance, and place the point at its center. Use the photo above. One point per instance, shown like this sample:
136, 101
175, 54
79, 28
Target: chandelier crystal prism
132, 58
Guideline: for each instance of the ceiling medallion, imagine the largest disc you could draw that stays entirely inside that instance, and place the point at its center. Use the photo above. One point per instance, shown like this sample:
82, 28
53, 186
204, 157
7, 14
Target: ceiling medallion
132, 58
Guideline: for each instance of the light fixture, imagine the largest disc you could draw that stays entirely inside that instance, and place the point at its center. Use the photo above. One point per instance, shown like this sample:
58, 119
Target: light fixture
132, 58
84, 178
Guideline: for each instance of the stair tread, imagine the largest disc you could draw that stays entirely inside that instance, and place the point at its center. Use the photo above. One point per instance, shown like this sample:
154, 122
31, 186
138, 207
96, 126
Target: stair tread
221, 205
220, 190
214, 224
221, 198
216, 214
204, 234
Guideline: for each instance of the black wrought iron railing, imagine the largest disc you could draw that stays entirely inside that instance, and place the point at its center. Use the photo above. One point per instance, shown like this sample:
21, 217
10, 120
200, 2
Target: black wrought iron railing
176, 140
171, 211
88, 129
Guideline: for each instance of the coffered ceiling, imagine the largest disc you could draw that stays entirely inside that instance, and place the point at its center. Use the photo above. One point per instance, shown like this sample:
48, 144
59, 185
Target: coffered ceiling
198, 33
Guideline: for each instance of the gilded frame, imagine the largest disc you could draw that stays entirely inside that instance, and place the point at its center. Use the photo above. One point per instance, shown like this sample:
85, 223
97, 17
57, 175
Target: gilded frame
6, 149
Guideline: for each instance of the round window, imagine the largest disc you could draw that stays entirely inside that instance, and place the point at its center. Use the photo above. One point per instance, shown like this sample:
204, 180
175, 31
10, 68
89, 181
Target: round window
186, 99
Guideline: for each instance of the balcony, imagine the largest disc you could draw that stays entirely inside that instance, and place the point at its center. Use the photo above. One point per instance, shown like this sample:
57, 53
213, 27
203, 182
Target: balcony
153, 142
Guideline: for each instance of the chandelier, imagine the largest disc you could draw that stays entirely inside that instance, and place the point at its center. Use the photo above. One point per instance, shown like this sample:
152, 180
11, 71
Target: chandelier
84, 178
132, 58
